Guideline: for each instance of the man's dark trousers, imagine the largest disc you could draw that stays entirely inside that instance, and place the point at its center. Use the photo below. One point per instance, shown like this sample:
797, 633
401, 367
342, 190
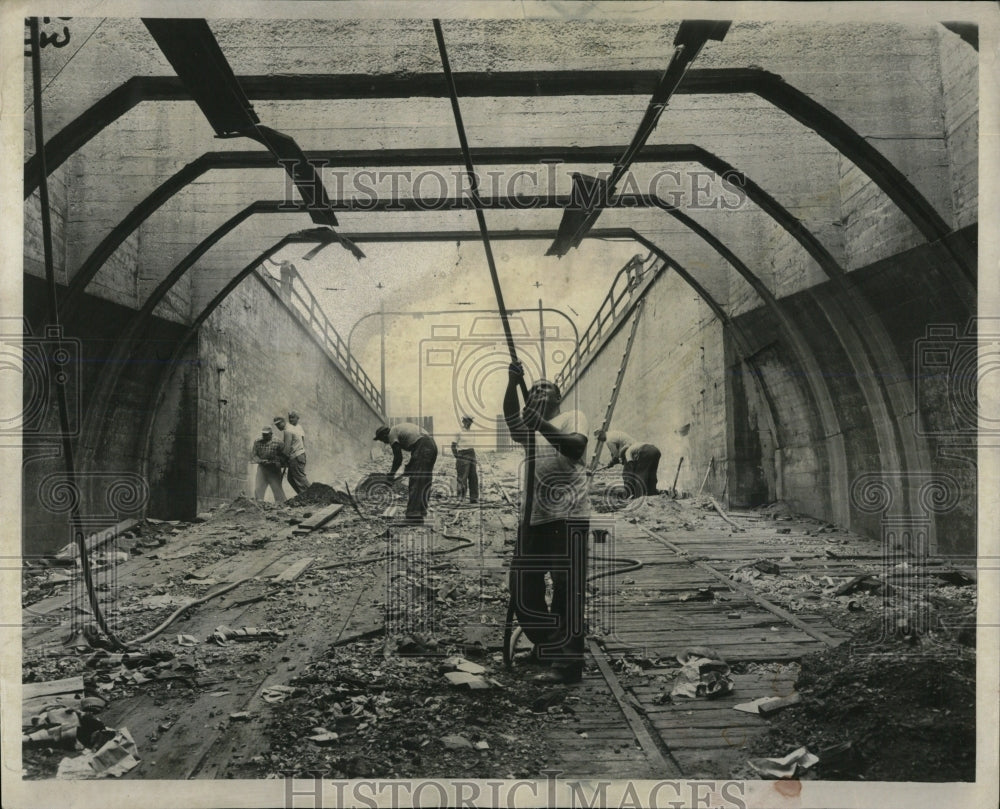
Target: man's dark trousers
420, 470
559, 548
468, 477
639, 475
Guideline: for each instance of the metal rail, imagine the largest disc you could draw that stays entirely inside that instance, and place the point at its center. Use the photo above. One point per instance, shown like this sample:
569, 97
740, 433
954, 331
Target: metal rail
624, 293
308, 309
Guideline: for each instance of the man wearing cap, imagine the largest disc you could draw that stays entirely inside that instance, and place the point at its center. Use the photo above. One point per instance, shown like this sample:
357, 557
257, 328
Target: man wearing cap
555, 538
267, 453
465, 462
639, 461
295, 450
423, 454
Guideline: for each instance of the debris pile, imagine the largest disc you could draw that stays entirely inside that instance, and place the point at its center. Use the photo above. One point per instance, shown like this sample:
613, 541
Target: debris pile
880, 709
318, 494
367, 712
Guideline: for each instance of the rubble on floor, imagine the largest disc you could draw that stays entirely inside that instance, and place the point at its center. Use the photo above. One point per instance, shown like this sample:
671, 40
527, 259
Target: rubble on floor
881, 709
349, 699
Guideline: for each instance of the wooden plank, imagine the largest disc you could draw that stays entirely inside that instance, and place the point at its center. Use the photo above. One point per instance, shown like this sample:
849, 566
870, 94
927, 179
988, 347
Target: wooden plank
649, 746
318, 519
749, 593
35, 697
293, 571
67, 686
95, 541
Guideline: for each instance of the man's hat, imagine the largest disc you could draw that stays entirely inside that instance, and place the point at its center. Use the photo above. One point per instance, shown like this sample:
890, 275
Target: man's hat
266, 429
292, 413
380, 433
278, 418
467, 419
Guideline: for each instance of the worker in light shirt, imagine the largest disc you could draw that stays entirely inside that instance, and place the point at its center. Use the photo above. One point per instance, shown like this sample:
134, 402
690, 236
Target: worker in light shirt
420, 469
639, 461
465, 462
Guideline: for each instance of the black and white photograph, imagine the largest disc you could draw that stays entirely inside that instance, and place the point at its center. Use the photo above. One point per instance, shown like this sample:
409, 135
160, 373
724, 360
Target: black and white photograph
543, 403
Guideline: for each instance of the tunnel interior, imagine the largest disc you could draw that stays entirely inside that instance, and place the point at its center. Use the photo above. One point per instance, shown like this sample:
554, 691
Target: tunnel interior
796, 237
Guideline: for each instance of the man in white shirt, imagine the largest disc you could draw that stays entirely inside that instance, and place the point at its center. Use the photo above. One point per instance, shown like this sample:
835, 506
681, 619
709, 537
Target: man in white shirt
555, 540
295, 451
639, 461
420, 469
465, 462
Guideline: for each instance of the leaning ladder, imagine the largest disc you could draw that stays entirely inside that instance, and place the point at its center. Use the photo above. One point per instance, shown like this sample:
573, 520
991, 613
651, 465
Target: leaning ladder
618, 385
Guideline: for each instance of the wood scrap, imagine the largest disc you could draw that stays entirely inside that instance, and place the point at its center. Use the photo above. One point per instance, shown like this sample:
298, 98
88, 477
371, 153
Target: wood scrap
95, 541
718, 508
293, 571
319, 519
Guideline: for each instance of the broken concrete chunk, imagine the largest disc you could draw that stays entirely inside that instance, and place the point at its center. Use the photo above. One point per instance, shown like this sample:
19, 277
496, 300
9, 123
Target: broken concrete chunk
765, 706
454, 742
278, 693
482, 745
461, 664
751, 707
240, 716
462, 679
767, 566
954, 578
322, 736
224, 634
786, 767
775, 704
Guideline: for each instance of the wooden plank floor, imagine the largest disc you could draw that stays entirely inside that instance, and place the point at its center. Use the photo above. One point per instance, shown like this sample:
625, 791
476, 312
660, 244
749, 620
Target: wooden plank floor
656, 612
653, 612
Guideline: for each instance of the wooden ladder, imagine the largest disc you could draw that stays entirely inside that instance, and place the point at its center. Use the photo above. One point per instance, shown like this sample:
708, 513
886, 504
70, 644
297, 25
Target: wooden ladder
618, 384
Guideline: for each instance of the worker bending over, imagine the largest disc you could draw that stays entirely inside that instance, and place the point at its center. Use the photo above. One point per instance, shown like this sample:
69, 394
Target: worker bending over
639, 461
420, 469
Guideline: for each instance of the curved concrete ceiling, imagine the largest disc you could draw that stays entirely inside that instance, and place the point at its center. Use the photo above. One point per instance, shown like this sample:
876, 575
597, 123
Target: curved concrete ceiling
152, 138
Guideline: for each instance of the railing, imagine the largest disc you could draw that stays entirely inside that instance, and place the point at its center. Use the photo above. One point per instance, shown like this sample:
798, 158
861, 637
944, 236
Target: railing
309, 310
625, 290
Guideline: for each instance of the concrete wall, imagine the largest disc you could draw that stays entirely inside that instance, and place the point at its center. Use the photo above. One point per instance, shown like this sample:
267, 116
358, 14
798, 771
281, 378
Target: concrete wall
108, 431
256, 361
673, 393
960, 91
908, 449
173, 439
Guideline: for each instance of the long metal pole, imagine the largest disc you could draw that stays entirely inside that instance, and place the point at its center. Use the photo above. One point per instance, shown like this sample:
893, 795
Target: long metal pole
385, 406
529, 444
51, 373
474, 191
541, 337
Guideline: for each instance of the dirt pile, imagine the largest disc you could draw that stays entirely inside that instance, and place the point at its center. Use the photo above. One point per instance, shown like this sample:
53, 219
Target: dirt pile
882, 710
318, 494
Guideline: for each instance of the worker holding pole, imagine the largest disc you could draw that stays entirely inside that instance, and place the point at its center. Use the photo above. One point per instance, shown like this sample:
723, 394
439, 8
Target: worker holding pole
554, 538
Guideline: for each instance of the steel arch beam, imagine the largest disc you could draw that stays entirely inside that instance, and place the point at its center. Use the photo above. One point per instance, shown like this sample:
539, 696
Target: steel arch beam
769, 86
410, 157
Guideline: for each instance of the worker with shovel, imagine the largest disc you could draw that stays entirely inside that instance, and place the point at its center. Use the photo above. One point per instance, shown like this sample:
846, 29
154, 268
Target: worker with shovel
639, 461
555, 535
423, 454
